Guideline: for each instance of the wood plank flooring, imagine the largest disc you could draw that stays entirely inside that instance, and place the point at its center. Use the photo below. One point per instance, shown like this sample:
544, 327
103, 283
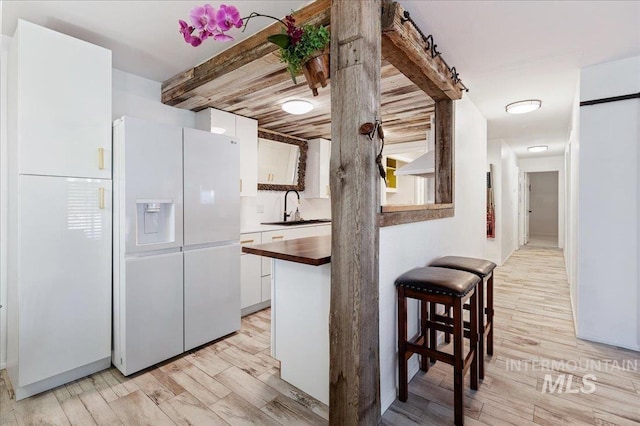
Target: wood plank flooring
230, 382
533, 328
235, 381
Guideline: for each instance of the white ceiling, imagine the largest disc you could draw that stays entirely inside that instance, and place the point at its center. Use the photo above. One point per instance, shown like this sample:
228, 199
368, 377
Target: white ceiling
504, 50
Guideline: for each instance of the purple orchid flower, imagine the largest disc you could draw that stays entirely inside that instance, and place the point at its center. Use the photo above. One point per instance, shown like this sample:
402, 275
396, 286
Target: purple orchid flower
228, 17
220, 36
186, 31
204, 18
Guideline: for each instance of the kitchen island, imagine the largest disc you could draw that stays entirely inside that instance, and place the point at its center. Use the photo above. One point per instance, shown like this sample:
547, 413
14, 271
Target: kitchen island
300, 297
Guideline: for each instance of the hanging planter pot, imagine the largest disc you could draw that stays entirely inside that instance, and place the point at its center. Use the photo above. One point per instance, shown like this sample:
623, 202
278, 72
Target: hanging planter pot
316, 70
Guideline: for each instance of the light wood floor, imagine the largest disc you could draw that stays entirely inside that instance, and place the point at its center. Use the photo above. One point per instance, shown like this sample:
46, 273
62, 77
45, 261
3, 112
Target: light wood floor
235, 381
533, 322
230, 382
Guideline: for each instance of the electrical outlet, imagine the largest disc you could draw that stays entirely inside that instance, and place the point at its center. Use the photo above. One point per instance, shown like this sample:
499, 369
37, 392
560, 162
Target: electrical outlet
260, 208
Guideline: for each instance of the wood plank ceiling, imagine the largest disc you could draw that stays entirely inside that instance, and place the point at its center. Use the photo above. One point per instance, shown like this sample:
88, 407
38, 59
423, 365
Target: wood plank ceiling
248, 79
258, 91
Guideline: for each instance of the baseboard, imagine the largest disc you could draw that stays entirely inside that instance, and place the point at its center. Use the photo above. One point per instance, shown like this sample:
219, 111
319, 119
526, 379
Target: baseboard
607, 342
22, 392
573, 311
507, 258
255, 308
412, 369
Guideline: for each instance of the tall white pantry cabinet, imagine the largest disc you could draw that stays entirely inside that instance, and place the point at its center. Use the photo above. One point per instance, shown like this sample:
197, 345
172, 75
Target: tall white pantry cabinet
60, 214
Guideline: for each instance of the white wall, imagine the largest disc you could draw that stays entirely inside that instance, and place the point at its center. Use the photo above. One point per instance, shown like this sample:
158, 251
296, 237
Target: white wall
494, 157
543, 200
571, 213
411, 245
4, 49
140, 97
509, 223
505, 193
549, 164
609, 215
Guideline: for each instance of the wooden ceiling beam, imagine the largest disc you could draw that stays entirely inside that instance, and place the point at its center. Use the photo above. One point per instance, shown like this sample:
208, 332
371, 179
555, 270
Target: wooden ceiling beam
177, 90
404, 47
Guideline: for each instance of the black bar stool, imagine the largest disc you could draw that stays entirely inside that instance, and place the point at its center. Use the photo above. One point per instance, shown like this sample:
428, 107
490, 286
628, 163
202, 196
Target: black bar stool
484, 270
451, 288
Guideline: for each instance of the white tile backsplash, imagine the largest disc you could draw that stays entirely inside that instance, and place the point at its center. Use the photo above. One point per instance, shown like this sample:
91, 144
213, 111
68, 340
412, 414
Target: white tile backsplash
271, 204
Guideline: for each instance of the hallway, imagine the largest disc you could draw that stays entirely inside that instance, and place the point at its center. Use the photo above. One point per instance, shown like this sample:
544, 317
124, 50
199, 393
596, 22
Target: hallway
533, 328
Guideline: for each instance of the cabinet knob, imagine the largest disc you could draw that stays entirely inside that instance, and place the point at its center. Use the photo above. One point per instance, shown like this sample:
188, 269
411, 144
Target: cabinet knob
277, 237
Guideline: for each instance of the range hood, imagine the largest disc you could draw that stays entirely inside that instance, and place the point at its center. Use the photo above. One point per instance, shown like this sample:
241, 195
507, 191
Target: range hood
423, 166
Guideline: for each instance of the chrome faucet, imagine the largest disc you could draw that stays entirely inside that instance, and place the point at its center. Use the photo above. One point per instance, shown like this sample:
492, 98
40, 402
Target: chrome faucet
286, 215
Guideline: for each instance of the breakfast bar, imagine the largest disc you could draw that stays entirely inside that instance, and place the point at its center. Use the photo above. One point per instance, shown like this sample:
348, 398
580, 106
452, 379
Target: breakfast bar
300, 296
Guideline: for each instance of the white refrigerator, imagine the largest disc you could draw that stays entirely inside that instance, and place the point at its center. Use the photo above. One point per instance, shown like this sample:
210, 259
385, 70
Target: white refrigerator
176, 241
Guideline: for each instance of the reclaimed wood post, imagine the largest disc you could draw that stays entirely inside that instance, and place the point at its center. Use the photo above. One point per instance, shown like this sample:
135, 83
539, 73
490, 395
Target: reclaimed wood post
354, 390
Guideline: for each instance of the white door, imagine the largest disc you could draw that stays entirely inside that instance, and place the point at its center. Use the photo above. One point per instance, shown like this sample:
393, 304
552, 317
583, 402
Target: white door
64, 90
64, 253
154, 310
211, 294
152, 159
211, 188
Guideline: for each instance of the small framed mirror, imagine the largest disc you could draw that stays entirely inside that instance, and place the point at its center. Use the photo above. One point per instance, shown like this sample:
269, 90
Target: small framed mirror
282, 161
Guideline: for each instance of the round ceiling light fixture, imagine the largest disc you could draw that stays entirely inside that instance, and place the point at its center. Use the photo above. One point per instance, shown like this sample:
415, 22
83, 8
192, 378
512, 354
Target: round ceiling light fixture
297, 107
537, 148
522, 107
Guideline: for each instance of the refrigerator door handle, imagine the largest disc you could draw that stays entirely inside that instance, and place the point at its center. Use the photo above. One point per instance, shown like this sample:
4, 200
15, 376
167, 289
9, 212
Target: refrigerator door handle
101, 158
101, 198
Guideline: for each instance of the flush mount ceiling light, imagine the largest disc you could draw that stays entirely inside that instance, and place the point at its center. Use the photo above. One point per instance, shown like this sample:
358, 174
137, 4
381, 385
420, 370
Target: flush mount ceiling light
218, 130
297, 107
538, 148
522, 107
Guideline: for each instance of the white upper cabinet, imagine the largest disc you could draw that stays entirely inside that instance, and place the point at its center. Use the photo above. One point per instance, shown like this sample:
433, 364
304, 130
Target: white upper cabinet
63, 88
317, 179
246, 131
216, 121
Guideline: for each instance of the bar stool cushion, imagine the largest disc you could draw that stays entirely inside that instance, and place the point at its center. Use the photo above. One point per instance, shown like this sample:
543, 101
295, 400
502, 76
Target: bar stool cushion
480, 267
429, 279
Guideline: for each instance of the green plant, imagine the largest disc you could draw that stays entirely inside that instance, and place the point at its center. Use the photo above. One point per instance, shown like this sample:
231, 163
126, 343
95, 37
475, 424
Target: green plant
297, 44
295, 52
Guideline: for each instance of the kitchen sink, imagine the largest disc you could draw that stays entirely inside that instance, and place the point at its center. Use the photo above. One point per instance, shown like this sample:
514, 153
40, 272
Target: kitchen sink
298, 222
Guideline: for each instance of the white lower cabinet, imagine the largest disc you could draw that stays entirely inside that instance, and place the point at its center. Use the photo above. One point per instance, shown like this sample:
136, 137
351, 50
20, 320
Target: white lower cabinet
59, 292
250, 273
266, 287
255, 271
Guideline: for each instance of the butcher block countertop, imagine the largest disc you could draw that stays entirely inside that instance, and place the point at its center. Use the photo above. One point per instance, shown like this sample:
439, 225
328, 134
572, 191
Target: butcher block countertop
310, 251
